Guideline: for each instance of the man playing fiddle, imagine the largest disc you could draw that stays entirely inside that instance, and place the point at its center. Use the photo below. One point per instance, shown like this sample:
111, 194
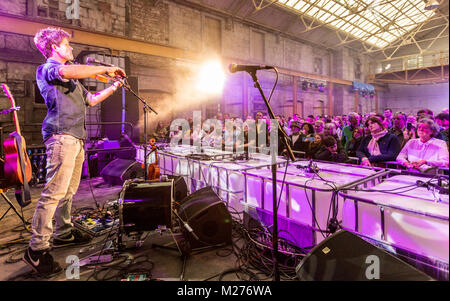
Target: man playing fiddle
63, 132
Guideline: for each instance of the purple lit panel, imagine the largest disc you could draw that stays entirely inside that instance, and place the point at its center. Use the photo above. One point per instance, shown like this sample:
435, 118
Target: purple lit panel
300, 209
369, 220
268, 198
424, 235
349, 215
254, 189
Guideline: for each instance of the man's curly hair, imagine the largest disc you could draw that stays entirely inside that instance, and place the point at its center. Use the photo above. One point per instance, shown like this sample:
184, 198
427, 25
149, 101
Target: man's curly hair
47, 37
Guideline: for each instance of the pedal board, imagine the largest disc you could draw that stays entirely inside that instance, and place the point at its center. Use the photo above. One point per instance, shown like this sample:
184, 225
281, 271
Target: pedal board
94, 223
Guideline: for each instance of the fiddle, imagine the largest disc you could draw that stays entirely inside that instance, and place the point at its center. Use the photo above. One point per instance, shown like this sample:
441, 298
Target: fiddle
153, 168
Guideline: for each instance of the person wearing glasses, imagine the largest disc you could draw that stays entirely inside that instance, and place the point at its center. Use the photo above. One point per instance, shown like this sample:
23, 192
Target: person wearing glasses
426, 152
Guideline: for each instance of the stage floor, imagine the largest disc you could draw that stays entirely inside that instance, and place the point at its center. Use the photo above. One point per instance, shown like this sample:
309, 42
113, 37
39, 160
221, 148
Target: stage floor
167, 264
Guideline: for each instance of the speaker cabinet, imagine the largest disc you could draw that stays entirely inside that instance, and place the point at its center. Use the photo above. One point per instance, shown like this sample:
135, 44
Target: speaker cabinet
120, 170
208, 217
145, 205
180, 190
347, 257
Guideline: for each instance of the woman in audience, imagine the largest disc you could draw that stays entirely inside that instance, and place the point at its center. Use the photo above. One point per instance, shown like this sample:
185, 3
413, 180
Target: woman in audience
379, 146
307, 129
330, 151
426, 152
314, 146
353, 145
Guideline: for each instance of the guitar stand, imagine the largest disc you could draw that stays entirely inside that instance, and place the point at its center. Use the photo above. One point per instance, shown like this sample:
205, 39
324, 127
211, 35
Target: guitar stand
11, 206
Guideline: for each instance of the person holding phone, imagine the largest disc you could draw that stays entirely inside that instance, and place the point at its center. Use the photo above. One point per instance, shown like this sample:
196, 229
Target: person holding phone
315, 145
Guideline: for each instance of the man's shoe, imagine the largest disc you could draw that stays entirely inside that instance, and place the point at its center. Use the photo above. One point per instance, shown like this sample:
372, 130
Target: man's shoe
41, 262
75, 237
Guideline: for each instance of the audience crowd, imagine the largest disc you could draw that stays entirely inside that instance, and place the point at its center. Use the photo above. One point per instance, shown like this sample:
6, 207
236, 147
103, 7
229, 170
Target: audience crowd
418, 141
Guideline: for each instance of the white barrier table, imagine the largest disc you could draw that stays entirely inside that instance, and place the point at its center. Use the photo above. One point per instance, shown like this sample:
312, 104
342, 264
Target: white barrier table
224, 174
398, 213
306, 198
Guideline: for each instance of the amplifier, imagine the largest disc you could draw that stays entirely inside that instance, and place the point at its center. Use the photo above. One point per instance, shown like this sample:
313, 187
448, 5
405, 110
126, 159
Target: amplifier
145, 205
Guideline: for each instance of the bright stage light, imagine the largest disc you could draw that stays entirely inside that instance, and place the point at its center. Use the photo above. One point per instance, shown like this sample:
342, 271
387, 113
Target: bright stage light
211, 78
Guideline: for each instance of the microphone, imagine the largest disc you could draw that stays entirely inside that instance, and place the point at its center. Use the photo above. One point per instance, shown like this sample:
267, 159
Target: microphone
91, 60
249, 68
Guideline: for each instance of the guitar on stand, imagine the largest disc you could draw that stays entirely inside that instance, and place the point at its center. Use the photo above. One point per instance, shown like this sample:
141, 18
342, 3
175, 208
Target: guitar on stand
17, 165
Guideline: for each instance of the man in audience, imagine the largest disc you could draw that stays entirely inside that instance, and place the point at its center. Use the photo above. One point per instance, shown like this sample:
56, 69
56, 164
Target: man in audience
295, 138
412, 119
426, 152
319, 126
310, 119
379, 146
425, 112
261, 125
388, 117
399, 123
442, 122
347, 132
339, 122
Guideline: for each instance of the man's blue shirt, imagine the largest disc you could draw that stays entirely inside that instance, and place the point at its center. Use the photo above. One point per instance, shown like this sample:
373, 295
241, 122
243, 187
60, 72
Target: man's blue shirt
66, 102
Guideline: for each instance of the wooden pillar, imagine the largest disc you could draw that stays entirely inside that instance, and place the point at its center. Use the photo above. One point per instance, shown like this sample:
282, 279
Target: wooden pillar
244, 95
376, 102
330, 99
294, 92
356, 101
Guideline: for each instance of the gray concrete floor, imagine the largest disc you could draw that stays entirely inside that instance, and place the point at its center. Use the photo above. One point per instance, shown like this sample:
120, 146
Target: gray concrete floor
167, 264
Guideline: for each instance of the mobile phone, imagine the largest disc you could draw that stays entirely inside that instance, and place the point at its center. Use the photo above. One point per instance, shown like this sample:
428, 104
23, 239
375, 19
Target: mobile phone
308, 139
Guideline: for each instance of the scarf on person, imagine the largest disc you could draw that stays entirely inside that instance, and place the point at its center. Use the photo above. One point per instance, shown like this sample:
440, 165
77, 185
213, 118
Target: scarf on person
373, 147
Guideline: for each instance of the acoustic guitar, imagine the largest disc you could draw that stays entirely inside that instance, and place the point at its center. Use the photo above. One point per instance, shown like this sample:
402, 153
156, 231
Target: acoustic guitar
17, 166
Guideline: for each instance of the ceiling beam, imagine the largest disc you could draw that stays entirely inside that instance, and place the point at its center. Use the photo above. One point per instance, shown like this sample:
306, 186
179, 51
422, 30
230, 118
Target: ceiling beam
22, 26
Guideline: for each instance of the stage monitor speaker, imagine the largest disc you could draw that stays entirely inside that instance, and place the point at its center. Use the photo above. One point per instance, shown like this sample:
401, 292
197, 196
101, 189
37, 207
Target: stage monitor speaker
208, 217
180, 190
347, 257
120, 170
145, 205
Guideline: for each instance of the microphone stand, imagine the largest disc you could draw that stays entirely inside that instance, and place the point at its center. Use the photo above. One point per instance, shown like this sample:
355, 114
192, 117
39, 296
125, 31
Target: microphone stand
276, 275
146, 108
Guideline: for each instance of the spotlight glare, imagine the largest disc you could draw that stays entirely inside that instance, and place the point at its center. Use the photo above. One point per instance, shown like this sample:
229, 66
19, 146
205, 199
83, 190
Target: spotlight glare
211, 78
